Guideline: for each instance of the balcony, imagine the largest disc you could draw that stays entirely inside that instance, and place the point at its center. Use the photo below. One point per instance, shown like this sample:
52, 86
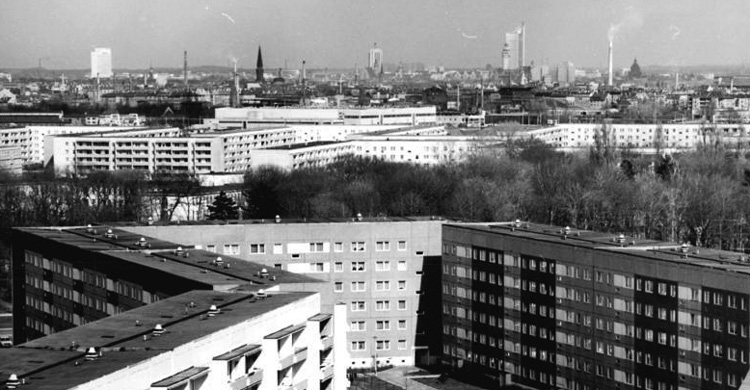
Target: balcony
299, 355
301, 385
326, 343
252, 378
326, 372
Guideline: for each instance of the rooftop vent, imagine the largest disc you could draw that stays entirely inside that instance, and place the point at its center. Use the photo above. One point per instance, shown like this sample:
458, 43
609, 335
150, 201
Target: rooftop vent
359, 217
109, 234
517, 223
621, 238
219, 261
213, 310
150, 220
684, 248
142, 242
158, 330
91, 354
89, 229
263, 273
261, 293
566, 231
278, 219
12, 381
178, 251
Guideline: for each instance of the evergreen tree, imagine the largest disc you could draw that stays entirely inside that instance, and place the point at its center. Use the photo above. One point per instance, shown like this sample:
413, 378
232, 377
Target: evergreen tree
223, 208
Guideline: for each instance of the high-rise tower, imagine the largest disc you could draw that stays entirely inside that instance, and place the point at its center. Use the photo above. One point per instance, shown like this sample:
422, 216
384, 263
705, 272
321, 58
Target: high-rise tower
375, 59
101, 62
259, 67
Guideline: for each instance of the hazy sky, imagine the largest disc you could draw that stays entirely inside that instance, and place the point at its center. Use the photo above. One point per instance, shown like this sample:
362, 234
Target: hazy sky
338, 33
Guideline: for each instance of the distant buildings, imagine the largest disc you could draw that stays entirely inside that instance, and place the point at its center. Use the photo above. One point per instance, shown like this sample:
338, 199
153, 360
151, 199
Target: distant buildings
101, 62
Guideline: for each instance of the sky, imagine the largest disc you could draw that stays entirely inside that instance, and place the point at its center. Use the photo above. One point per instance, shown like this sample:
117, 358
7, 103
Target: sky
339, 33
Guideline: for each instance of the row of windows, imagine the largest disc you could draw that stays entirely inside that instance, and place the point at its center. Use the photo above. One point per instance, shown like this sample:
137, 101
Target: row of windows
314, 247
380, 345
361, 326
381, 305
359, 286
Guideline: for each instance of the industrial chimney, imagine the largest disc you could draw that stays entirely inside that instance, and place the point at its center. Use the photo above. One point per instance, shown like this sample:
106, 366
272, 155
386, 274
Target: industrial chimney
609, 80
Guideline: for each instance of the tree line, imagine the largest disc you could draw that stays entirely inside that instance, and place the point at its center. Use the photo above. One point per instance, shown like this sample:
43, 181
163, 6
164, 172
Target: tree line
698, 197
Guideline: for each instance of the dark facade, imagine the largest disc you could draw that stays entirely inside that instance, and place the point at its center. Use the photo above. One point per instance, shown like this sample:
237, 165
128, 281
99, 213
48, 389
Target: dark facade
57, 286
554, 309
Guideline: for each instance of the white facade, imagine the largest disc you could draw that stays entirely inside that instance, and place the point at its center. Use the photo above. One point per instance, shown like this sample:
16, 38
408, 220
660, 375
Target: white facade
101, 62
373, 266
31, 139
642, 137
278, 346
248, 116
154, 150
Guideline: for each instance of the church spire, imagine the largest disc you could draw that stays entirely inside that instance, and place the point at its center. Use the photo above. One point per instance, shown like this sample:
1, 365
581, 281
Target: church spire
259, 67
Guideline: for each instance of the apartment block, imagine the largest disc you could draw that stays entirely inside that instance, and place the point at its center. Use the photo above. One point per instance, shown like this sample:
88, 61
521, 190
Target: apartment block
63, 278
559, 308
379, 267
198, 340
169, 150
671, 137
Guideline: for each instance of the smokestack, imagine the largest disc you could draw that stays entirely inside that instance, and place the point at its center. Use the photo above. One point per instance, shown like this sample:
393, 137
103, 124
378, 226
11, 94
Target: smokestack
304, 73
676, 80
609, 81
184, 70
522, 46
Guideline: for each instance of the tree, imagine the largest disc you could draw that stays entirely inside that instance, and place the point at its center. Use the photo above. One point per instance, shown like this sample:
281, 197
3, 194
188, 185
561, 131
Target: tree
223, 208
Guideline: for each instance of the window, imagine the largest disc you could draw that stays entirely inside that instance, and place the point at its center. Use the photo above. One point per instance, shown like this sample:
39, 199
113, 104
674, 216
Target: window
401, 324
358, 266
232, 249
382, 266
338, 246
402, 245
357, 326
316, 247
382, 305
402, 344
401, 266
338, 267
382, 285
211, 248
383, 325
383, 345
358, 246
402, 304
256, 249
358, 306
382, 246
402, 284
278, 249
316, 267
359, 345
338, 286
358, 286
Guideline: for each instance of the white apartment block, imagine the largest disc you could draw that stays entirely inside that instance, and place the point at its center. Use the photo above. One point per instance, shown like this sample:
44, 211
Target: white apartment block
642, 137
248, 116
155, 150
31, 139
375, 267
200, 340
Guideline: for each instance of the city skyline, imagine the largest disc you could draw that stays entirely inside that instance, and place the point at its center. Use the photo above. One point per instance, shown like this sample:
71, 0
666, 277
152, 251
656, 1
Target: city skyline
338, 33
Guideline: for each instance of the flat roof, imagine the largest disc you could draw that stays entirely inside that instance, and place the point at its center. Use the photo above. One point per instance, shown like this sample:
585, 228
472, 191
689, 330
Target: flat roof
306, 145
57, 361
271, 221
179, 377
190, 263
634, 246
